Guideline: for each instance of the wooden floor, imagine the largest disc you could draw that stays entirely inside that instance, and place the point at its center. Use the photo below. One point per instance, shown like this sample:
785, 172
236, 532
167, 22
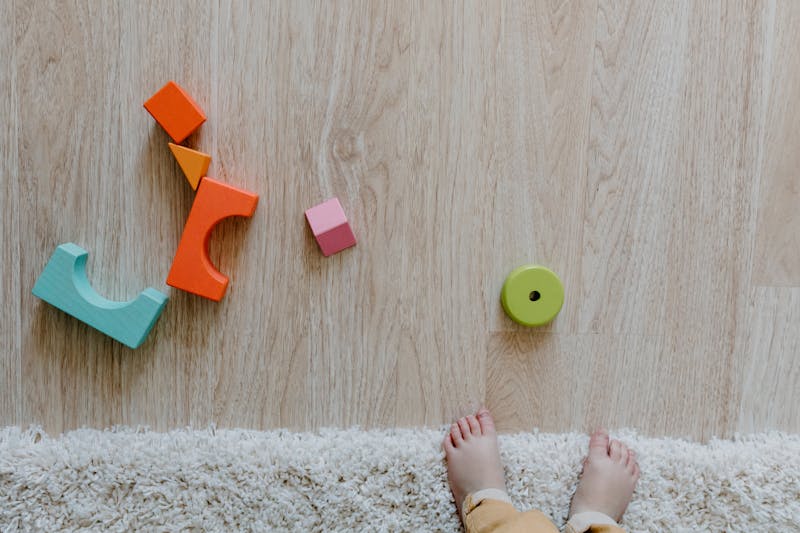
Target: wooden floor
648, 152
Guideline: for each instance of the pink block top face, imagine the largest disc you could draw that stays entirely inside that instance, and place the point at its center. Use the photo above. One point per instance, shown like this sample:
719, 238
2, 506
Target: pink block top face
325, 216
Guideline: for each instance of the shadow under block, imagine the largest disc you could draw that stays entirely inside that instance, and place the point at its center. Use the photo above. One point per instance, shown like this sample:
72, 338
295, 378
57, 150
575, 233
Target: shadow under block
175, 111
194, 164
191, 269
330, 227
64, 284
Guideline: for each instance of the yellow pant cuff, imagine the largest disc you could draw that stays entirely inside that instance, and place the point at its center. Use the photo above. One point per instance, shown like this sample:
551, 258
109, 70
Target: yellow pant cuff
581, 522
474, 499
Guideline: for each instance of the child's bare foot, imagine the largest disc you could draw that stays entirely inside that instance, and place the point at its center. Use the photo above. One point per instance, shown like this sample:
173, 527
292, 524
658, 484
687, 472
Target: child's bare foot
610, 473
473, 459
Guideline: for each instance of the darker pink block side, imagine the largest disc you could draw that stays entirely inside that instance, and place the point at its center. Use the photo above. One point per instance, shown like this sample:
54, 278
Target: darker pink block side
336, 240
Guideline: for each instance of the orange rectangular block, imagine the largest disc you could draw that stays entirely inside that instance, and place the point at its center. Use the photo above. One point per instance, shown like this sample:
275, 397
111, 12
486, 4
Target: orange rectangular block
175, 111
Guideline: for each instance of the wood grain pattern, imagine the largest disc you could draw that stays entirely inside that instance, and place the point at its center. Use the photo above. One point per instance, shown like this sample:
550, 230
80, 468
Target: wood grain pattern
93, 170
539, 107
777, 260
10, 367
567, 384
644, 151
768, 379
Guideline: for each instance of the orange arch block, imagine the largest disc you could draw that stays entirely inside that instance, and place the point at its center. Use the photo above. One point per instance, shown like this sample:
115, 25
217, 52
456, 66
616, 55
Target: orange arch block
191, 269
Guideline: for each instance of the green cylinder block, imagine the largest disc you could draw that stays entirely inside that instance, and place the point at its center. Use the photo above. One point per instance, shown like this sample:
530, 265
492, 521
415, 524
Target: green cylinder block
532, 295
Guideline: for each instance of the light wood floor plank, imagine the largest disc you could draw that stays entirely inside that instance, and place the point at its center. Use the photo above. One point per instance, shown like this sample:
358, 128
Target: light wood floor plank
66, 116
168, 381
769, 379
712, 237
322, 125
637, 84
777, 259
453, 48
95, 170
537, 130
564, 382
670, 208
10, 371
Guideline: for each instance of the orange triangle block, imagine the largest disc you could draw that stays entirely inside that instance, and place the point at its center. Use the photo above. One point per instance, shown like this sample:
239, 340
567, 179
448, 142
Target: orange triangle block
193, 163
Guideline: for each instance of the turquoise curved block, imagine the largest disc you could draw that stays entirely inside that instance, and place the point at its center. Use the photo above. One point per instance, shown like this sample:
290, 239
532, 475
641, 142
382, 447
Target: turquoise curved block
64, 284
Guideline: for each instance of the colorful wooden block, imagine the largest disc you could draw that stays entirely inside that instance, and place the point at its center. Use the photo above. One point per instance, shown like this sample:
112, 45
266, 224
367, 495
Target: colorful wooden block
192, 270
193, 163
330, 227
175, 111
64, 284
532, 295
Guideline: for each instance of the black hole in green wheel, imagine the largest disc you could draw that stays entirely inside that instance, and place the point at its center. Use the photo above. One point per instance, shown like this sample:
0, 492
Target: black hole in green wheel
534, 296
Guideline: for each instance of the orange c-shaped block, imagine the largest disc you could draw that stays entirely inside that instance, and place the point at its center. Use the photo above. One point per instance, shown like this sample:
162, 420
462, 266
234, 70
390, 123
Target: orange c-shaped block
192, 270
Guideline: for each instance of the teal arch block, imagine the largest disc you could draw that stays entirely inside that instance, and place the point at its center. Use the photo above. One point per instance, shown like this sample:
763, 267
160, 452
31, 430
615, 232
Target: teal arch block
64, 284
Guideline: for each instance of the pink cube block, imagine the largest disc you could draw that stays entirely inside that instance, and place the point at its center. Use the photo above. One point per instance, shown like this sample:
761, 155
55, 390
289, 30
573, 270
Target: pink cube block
330, 228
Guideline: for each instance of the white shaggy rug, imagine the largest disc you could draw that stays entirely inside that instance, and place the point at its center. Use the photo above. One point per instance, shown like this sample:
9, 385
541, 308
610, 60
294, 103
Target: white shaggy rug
352, 480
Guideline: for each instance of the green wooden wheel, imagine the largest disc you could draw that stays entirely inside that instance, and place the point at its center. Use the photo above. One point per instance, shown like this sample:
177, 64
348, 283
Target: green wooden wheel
532, 295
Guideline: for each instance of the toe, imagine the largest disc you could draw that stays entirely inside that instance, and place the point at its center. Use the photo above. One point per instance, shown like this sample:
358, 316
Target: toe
615, 450
636, 472
631, 460
447, 443
455, 434
624, 451
474, 427
464, 425
598, 444
486, 421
